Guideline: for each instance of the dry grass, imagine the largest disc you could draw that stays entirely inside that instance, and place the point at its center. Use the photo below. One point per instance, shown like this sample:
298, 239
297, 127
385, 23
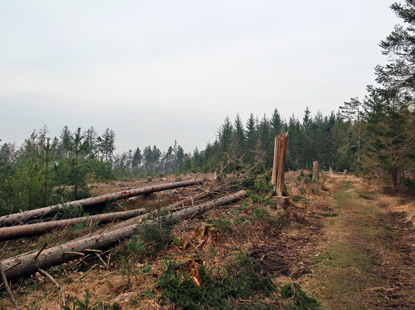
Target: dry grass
343, 244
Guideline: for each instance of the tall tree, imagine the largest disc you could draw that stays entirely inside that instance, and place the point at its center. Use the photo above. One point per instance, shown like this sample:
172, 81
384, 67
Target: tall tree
393, 103
238, 146
137, 159
78, 170
225, 135
66, 142
251, 138
276, 123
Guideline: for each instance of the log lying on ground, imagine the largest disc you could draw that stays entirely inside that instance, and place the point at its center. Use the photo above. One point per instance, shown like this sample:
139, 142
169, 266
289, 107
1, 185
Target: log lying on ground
28, 263
173, 207
19, 231
18, 218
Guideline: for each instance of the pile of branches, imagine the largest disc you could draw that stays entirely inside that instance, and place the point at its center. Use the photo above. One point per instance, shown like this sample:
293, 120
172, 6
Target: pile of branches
233, 175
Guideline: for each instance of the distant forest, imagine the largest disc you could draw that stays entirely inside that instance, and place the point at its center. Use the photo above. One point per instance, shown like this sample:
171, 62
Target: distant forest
373, 137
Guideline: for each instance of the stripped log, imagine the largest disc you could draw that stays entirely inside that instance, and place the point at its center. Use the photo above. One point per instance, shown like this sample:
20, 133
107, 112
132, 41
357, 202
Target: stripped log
138, 219
19, 231
28, 263
18, 218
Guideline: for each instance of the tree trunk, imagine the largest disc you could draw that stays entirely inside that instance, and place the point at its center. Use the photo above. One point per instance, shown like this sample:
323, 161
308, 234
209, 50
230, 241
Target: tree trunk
274, 162
395, 178
22, 217
280, 188
28, 263
19, 231
315, 170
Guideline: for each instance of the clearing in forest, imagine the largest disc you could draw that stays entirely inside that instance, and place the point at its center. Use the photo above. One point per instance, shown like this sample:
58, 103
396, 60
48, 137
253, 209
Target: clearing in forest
347, 245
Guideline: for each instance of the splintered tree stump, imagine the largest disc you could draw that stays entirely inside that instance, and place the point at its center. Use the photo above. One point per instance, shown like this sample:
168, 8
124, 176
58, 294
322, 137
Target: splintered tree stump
280, 151
315, 170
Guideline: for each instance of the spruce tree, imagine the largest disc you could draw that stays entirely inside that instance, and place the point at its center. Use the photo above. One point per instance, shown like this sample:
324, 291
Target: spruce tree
225, 135
393, 103
251, 138
238, 144
276, 123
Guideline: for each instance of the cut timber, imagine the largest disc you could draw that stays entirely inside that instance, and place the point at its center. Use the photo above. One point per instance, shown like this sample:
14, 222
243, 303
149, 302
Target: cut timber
28, 263
19, 231
280, 151
18, 218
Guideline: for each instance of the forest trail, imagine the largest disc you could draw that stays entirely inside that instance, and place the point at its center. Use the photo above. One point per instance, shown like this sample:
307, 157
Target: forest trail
365, 258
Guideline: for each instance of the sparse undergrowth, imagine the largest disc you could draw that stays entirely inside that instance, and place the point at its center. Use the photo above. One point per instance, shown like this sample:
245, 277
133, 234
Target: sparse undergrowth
226, 287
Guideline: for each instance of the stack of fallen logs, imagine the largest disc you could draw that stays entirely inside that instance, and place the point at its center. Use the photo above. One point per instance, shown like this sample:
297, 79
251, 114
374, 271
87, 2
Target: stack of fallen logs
14, 226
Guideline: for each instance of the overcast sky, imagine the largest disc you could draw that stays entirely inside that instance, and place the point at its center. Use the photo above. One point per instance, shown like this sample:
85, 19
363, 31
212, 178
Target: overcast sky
158, 71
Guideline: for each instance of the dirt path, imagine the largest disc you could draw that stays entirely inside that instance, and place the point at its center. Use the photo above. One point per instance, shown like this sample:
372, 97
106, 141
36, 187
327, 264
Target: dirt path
366, 256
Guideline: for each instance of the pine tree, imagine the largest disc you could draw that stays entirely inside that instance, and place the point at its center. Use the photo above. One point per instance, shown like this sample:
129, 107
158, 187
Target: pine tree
276, 123
264, 144
137, 159
238, 144
107, 144
393, 103
66, 142
91, 137
251, 138
308, 150
77, 167
225, 135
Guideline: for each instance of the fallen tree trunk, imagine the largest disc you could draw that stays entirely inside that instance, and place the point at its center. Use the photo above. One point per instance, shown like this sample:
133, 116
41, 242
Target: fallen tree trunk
19, 231
173, 207
18, 218
28, 263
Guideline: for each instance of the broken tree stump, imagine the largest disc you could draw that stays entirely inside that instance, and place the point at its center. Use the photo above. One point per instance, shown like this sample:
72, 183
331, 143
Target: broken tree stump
315, 170
280, 151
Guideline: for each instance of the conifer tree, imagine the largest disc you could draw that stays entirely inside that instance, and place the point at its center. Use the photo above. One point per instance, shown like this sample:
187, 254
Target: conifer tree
225, 135
251, 138
276, 123
137, 159
238, 146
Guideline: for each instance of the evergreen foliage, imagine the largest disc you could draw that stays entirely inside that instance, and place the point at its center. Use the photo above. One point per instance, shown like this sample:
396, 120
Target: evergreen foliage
297, 299
239, 279
384, 122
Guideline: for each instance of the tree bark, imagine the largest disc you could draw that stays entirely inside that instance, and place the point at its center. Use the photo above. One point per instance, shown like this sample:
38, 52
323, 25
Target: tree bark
274, 163
315, 170
18, 218
19, 231
280, 188
28, 263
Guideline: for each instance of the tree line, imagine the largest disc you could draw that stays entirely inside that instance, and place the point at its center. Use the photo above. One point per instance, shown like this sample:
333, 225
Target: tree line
321, 138
373, 137
384, 121
44, 170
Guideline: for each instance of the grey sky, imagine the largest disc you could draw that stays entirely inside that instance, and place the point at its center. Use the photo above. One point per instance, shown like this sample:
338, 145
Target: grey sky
158, 71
